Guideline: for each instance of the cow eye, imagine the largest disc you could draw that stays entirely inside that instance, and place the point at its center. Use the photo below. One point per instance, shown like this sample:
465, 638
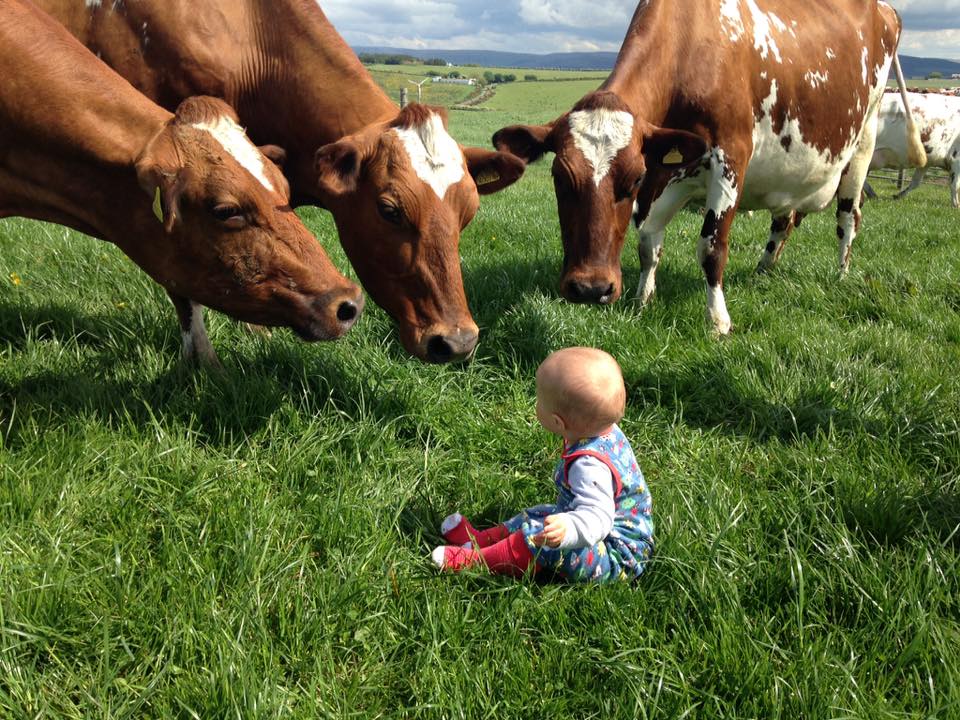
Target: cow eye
230, 215
389, 211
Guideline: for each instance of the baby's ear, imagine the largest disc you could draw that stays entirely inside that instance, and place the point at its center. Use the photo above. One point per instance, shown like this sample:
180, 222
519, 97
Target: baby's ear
560, 425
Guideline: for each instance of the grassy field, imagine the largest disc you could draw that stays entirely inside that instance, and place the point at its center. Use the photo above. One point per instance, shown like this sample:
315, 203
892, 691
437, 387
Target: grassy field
253, 543
430, 93
528, 100
477, 72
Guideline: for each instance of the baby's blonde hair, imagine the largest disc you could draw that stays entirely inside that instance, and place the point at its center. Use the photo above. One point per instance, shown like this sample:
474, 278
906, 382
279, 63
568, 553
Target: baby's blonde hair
584, 386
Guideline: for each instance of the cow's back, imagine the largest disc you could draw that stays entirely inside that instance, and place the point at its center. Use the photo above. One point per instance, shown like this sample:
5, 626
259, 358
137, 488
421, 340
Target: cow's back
57, 94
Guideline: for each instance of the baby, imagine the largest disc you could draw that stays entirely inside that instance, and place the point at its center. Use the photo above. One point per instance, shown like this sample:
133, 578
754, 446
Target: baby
600, 529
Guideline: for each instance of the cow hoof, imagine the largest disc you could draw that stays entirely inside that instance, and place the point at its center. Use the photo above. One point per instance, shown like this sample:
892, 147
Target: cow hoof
720, 328
206, 360
645, 295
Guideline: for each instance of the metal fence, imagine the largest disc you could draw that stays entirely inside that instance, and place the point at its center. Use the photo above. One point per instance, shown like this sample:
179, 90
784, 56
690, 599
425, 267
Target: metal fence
934, 176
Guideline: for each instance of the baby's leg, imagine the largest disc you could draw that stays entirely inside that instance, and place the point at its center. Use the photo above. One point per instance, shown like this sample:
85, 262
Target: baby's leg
511, 556
458, 530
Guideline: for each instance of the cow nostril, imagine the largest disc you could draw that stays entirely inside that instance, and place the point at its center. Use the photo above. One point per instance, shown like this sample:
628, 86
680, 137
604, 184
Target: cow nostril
574, 291
608, 293
439, 350
347, 311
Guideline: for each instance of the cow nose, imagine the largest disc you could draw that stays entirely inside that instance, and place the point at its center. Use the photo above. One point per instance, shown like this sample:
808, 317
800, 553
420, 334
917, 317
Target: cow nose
452, 347
347, 312
579, 292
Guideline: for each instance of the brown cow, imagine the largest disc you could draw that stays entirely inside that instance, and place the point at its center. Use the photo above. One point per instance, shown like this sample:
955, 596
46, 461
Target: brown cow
400, 189
187, 197
785, 94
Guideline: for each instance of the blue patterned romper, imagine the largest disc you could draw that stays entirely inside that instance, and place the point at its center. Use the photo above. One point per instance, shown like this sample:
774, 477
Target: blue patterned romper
624, 553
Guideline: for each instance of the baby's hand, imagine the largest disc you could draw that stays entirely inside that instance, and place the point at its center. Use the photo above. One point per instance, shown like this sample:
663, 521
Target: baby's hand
554, 530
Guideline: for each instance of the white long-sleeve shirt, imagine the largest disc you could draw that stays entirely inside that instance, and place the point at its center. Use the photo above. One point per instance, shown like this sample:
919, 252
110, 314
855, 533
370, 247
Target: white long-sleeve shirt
591, 518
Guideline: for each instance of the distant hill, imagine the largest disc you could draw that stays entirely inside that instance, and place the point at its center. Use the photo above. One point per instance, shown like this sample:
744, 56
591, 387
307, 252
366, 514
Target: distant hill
493, 58
913, 67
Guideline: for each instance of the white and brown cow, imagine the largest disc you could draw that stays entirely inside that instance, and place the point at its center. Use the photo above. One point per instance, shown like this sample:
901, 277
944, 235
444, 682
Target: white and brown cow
186, 196
773, 106
937, 118
399, 187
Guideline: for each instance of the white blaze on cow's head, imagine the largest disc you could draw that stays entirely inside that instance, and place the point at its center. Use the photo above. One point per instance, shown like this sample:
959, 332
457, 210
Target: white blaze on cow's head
604, 155
401, 193
233, 242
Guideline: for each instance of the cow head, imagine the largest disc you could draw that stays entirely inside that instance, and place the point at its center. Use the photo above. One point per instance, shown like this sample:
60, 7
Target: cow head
605, 159
400, 193
231, 241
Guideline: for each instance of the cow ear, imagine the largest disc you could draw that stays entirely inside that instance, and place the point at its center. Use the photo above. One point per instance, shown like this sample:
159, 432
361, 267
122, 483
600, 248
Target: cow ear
275, 154
493, 171
338, 167
672, 150
666, 153
162, 178
527, 142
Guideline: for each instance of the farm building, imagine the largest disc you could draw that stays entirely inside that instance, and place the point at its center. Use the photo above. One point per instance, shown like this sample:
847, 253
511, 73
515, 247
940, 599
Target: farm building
455, 81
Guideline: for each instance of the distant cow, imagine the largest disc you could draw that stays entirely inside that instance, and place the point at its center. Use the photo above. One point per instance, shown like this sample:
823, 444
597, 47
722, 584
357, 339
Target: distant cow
772, 105
187, 197
399, 187
937, 118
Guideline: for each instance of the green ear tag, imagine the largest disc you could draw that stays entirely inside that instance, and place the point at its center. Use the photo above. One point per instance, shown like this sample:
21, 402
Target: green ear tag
673, 157
157, 206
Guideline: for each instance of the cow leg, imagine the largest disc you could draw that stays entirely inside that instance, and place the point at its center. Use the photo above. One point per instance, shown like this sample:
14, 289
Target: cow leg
914, 183
869, 192
780, 229
196, 344
652, 231
723, 196
955, 185
850, 190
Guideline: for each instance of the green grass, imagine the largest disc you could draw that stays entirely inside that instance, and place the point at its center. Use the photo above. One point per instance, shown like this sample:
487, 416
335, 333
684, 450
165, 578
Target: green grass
253, 543
430, 93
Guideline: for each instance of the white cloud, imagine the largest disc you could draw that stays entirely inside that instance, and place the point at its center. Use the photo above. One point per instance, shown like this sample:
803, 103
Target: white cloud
543, 26
932, 44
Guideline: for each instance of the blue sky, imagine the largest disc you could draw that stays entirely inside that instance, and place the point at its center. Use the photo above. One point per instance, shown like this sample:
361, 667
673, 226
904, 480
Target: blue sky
540, 26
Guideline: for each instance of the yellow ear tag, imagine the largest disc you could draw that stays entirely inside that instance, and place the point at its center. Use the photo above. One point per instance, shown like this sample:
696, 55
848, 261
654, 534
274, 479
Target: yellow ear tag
157, 206
487, 177
673, 157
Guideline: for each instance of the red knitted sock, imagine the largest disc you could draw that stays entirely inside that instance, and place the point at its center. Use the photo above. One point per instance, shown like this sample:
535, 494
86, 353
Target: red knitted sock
457, 530
510, 556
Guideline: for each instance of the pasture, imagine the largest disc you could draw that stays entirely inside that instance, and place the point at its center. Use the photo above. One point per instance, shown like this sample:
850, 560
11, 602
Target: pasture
253, 543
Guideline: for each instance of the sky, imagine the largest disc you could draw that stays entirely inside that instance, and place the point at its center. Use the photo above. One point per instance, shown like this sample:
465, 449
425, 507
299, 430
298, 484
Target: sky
932, 27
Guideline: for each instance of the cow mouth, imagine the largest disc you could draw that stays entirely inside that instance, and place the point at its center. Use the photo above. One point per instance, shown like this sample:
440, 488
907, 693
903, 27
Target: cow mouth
604, 293
444, 346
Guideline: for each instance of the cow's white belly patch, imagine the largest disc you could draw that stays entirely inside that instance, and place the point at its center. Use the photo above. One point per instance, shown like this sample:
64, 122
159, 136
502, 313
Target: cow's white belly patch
600, 135
235, 141
435, 156
791, 174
